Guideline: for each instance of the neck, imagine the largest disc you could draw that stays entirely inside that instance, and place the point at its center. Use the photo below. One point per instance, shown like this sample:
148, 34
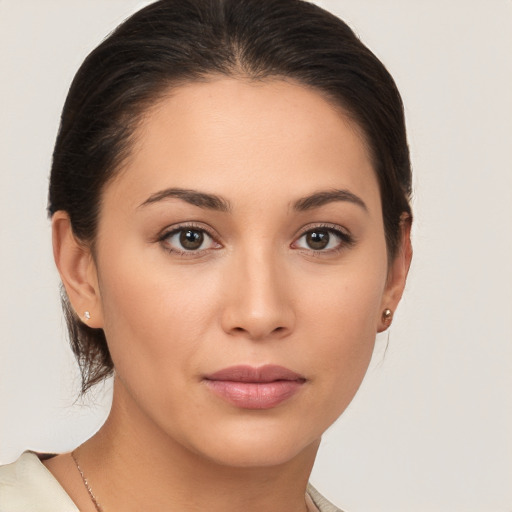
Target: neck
131, 464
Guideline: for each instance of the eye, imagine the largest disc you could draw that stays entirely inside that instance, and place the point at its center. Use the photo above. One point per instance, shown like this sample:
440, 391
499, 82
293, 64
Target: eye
324, 239
188, 239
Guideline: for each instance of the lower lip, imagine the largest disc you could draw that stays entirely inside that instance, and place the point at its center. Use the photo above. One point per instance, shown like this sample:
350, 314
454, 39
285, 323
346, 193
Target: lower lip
255, 395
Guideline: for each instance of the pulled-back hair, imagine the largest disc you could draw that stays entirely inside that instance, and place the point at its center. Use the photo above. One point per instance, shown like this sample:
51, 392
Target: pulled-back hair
174, 42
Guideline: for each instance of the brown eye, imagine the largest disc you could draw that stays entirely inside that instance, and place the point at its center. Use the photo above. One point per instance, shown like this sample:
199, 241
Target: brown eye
188, 239
317, 240
324, 239
191, 239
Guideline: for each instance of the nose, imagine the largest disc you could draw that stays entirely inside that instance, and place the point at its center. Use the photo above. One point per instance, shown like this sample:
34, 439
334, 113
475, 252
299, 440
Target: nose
258, 302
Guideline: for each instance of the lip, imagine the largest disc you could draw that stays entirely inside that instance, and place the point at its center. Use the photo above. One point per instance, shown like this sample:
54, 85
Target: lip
248, 387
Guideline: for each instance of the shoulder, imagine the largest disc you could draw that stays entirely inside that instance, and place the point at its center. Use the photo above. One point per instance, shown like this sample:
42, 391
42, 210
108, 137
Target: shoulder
320, 502
27, 485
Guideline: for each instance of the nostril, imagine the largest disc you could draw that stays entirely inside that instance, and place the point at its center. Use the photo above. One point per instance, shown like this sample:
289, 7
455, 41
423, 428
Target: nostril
256, 333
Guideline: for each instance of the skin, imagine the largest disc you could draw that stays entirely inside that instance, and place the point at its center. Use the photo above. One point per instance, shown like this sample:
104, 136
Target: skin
255, 293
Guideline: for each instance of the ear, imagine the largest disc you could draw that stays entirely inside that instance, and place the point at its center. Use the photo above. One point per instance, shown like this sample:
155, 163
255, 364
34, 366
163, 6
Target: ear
397, 274
77, 271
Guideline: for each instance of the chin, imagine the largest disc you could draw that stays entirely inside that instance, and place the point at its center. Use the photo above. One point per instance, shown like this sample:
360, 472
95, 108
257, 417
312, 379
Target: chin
274, 455
250, 446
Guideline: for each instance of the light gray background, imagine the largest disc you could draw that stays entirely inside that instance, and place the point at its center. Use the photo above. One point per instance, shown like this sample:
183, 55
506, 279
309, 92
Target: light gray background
431, 428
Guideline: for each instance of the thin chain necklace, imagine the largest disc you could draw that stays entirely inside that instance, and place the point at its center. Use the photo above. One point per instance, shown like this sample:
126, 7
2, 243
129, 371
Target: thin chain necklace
87, 486
309, 503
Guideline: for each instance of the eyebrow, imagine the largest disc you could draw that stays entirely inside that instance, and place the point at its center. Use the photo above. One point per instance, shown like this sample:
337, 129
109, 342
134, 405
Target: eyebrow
324, 197
200, 199
217, 203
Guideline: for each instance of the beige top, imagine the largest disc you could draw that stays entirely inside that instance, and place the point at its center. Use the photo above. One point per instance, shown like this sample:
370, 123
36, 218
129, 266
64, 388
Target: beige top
27, 486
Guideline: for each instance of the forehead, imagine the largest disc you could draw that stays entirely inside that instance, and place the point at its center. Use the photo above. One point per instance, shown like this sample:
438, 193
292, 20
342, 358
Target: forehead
235, 136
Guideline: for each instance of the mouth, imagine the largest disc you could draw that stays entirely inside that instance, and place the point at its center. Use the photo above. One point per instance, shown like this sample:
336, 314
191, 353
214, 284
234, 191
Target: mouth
248, 387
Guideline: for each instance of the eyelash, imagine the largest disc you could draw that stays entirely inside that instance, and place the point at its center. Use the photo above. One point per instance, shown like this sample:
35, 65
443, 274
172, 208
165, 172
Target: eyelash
179, 229
346, 240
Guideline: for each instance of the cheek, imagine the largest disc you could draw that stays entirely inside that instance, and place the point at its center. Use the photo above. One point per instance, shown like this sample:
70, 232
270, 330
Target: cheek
346, 302
342, 317
154, 317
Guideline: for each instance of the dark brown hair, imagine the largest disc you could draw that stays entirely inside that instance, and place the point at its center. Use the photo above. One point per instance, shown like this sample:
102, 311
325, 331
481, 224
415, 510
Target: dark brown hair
172, 42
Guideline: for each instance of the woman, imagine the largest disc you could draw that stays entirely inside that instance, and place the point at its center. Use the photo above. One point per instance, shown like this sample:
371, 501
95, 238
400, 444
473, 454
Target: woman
230, 209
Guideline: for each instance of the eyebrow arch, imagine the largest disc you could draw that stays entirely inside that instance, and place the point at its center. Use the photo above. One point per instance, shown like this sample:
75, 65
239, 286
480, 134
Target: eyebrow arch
323, 197
194, 197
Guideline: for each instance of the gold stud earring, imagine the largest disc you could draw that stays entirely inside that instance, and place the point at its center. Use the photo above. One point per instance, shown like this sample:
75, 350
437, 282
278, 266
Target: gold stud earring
387, 316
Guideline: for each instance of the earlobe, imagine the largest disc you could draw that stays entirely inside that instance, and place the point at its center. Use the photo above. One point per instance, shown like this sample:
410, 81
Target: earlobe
77, 271
397, 275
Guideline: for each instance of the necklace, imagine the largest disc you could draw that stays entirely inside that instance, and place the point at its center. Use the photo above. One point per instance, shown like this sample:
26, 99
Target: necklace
87, 486
309, 503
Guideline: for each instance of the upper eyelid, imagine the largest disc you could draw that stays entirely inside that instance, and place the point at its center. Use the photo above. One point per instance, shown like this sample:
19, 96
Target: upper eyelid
173, 230
323, 225
169, 230
347, 239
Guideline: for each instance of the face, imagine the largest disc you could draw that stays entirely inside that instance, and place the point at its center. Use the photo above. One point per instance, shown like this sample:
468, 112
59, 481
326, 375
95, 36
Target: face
241, 269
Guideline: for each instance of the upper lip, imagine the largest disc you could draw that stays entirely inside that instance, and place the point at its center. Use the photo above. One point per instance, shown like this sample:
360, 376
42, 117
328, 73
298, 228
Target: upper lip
261, 374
